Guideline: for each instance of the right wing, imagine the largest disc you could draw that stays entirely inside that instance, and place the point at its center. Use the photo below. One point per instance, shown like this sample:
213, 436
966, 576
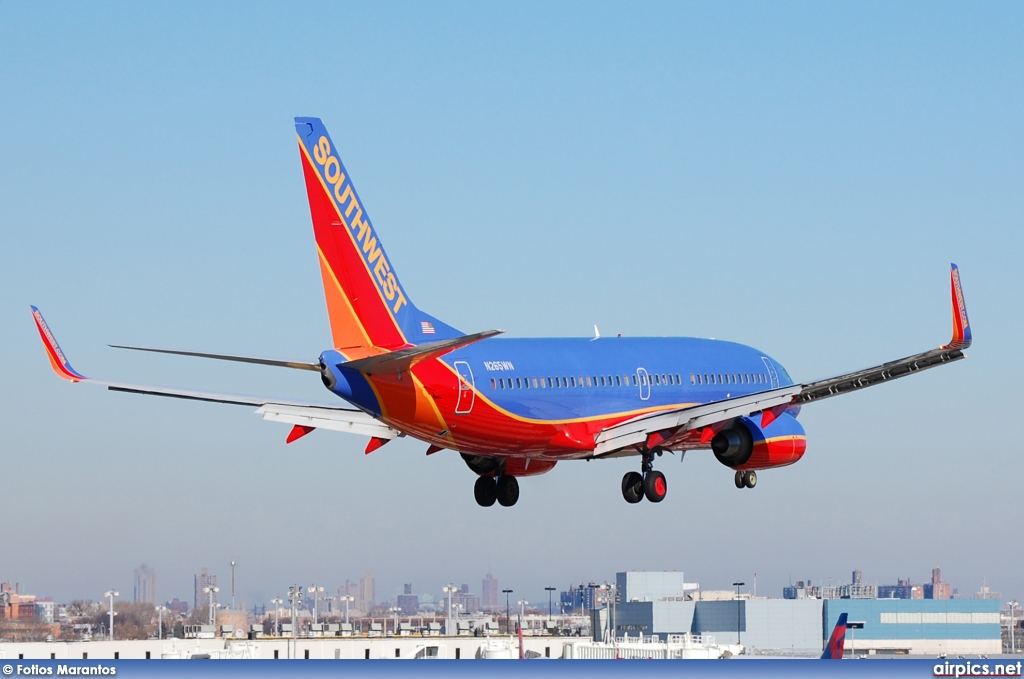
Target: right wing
648, 431
308, 416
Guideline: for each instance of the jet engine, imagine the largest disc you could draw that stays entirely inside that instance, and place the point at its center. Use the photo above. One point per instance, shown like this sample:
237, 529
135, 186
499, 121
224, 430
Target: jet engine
746, 445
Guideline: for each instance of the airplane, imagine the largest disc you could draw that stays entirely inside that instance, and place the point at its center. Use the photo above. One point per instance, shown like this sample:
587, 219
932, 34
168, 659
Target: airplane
516, 407
834, 648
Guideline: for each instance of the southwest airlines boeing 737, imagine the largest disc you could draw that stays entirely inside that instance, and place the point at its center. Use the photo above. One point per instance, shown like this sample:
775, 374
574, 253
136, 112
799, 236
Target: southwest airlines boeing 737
516, 407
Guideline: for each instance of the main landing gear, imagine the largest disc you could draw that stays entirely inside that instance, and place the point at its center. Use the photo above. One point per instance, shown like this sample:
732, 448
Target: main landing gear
650, 484
503, 489
747, 479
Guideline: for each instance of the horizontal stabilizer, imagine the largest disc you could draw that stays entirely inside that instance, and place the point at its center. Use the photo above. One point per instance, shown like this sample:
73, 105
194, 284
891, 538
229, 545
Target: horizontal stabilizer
296, 365
403, 359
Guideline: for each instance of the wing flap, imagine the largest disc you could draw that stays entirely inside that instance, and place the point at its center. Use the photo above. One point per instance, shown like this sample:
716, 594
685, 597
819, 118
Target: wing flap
634, 432
350, 421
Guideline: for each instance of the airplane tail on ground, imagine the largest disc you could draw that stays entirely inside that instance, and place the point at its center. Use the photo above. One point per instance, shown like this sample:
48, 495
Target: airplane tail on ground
368, 307
836, 643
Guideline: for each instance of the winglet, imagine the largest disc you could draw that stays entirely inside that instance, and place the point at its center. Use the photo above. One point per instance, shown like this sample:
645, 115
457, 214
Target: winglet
60, 363
961, 327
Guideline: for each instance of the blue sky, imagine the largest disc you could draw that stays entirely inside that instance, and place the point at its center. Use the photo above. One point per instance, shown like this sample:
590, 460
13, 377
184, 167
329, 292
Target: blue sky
795, 176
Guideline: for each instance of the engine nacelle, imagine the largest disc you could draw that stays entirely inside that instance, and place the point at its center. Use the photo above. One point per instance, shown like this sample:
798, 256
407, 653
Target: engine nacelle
745, 445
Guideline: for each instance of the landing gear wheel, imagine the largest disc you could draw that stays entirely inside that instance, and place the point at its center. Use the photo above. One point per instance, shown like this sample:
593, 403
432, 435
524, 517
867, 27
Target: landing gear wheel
507, 490
751, 479
633, 487
485, 491
655, 487
741, 481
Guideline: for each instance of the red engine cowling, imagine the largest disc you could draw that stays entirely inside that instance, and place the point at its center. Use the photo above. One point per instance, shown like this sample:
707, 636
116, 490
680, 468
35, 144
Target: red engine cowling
745, 445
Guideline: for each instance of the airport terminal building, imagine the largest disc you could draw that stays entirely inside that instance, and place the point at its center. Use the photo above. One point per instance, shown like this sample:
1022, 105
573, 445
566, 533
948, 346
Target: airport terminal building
661, 604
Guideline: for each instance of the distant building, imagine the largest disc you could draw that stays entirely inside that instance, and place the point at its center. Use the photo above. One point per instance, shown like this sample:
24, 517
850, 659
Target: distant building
14, 605
203, 580
408, 602
178, 606
938, 589
489, 593
145, 585
367, 595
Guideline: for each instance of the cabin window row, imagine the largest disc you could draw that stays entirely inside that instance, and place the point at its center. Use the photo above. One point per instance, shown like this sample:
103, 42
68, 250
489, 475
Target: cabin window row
624, 380
728, 378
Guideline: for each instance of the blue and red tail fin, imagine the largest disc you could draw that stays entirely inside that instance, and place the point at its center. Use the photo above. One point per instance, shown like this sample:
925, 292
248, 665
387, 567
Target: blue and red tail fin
368, 307
961, 326
836, 643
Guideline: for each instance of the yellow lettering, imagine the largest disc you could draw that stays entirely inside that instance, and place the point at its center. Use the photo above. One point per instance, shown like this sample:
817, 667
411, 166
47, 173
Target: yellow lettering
358, 223
352, 204
332, 170
338, 185
379, 270
320, 151
389, 286
370, 246
401, 300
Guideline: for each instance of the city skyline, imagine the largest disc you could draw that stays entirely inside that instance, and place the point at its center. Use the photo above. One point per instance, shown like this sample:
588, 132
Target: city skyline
794, 177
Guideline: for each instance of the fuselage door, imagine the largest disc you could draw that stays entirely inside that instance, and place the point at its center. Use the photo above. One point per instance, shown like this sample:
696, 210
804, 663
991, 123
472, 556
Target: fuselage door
466, 393
772, 374
645, 383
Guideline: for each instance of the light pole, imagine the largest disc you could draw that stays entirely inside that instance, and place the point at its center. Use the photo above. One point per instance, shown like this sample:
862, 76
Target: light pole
522, 613
549, 590
233, 564
295, 600
1013, 639
508, 619
211, 591
277, 607
395, 610
160, 622
316, 592
110, 594
449, 590
737, 585
347, 599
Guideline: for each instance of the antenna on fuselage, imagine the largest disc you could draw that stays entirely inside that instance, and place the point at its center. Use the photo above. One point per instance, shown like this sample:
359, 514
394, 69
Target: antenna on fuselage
597, 334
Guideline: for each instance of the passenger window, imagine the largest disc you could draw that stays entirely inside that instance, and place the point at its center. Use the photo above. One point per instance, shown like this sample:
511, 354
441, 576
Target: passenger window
572, 381
519, 385
588, 380
617, 382
634, 380
501, 382
665, 380
493, 385
693, 379
534, 382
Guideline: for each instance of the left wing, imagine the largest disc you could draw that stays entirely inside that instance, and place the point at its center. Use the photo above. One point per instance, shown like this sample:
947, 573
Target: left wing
654, 428
305, 416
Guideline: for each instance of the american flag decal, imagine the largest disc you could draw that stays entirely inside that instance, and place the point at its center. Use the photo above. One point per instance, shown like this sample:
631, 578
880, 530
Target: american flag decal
426, 327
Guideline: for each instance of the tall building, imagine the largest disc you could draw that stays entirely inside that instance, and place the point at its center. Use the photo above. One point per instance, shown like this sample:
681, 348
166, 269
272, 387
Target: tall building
145, 585
366, 596
408, 602
489, 593
204, 579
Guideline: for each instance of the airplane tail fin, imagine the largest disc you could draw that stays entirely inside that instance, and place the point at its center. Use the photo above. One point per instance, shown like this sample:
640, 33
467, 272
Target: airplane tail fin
368, 307
837, 642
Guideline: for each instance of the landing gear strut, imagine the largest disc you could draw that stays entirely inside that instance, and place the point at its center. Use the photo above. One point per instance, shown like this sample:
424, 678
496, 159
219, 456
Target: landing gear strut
747, 479
504, 490
650, 484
